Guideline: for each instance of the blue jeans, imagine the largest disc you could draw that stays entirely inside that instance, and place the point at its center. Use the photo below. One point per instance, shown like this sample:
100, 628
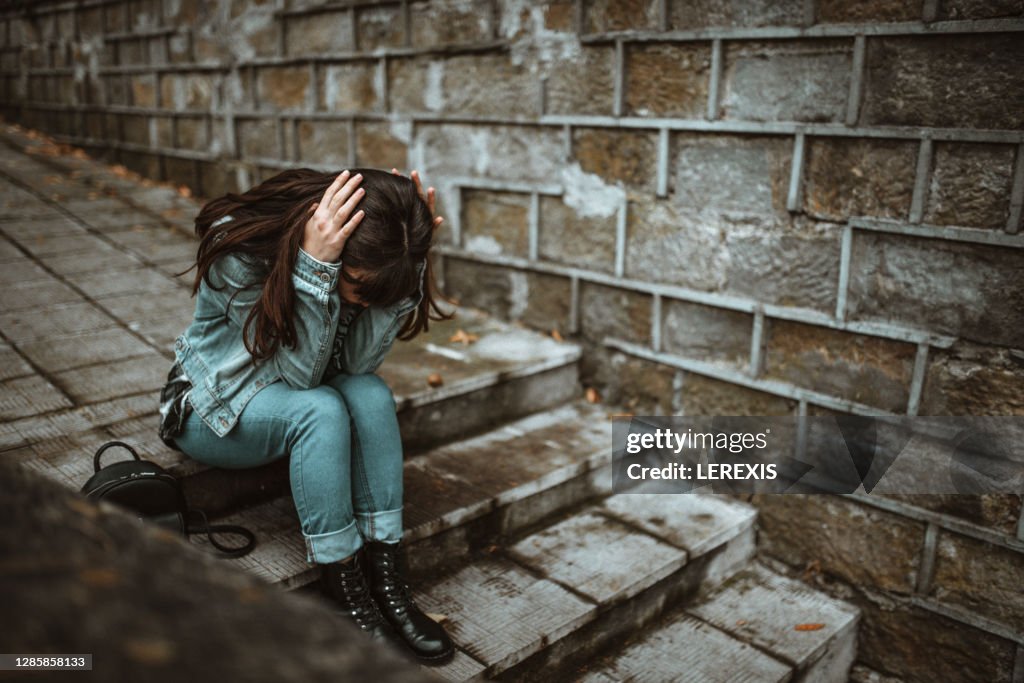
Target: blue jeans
346, 457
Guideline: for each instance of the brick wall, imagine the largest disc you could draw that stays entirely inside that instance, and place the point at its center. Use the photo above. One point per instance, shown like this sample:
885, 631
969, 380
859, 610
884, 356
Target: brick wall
754, 207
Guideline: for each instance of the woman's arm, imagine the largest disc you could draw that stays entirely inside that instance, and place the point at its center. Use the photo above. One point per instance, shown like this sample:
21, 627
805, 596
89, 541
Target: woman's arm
362, 347
316, 302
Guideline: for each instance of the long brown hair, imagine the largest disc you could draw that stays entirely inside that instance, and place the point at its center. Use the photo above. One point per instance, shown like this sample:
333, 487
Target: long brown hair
268, 224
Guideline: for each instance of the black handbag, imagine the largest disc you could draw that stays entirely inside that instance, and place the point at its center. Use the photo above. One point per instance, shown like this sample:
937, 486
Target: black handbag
155, 495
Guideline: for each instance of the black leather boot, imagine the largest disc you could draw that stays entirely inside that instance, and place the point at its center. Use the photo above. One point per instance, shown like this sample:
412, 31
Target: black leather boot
424, 636
345, 584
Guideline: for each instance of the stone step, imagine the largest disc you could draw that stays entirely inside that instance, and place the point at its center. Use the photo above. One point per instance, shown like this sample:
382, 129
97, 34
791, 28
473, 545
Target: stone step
462, 496
746, 630
541, 607
508, 372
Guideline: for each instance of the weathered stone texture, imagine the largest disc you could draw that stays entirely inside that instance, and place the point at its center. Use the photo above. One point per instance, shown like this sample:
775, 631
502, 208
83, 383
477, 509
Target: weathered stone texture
967, 290
787, 80
708, 396
993, 510
581, 83
378, 27
450, 22
283, 87
919, 646
186, 91
980, 9
350, 87
135, 129
869, 370
705, 333
838, 11
619, 15
664, 79
143, 91
484, 85
691, 14
323, 142
847, 177
862, 545
381, 146
318, 33
970, 379
970, 185
510, 152
257, 137
614, 312
628, 157
674, 246
192, 134
635, 384
495, 222
979, 578
478, 286
548, 301
574, 239
971, 81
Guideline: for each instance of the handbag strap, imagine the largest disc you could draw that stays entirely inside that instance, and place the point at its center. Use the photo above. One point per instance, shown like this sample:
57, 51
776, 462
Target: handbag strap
210, 529
111, 444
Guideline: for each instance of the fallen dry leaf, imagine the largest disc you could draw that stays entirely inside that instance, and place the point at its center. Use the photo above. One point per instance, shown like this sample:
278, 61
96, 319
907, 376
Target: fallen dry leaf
556, 335
437, 617
741, 622
149, 650
808, 627
434, 379
462, 336
184, 191
592, 395
99, 577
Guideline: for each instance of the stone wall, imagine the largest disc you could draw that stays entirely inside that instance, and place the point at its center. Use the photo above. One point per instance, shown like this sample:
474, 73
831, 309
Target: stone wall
799, 206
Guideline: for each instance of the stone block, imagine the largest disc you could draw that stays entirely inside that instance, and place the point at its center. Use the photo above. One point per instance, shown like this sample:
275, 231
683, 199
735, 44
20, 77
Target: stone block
695, 14
956, 10
973, 379
786, 80
450, 22
53, 321
846, 177
180, 171
133, 52
638, 385
666, 79
980, 578
192, 134
970, 185
478, 285
926, 282
617, 156
380, 26
498, 151
548, 301
143, 91
706, 333
614, 312
283, 87
666, 244
350, 87
704, 396
581, 82
920, 646
859, 544
187, 91
621, 15
318, 33
919, 81
115, 90
486, 85
861, 368
135, 129
495, 222
31, 395
994, 510
164, 131
568, 237
839, 12
110, 380
323, 142
382, 145
257, 137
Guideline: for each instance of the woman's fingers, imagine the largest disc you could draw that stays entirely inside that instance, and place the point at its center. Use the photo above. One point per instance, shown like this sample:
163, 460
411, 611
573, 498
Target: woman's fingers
341, 203
333, 188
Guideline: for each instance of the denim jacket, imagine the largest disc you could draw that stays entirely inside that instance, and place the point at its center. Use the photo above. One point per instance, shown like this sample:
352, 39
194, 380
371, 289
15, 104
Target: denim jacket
222, 372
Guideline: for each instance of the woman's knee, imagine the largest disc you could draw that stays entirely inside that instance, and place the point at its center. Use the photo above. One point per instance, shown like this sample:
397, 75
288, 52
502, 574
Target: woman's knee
321, 408
366, 392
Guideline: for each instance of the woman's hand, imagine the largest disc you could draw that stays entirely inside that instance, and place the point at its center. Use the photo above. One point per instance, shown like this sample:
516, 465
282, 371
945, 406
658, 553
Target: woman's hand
332, 221
430, 196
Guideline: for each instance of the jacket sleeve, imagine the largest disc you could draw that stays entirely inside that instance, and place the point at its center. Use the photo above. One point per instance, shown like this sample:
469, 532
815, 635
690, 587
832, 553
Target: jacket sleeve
317, 304
372, 333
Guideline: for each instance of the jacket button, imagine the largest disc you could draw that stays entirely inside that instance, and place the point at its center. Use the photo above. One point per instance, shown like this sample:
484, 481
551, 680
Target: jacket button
325, 277
177, 343
223, 421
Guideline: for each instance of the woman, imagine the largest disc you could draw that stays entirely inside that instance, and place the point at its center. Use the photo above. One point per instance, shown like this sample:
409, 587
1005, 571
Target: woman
295, 310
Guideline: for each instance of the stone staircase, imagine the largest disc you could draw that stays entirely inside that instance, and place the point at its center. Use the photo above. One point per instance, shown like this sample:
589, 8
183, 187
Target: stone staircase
515, 537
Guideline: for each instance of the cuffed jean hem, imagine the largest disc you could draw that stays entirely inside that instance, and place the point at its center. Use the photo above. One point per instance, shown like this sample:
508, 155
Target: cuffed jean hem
383, 525
333, 546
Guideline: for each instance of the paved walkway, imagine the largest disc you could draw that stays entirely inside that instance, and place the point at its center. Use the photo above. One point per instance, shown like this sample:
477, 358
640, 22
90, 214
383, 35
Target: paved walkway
90, 304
